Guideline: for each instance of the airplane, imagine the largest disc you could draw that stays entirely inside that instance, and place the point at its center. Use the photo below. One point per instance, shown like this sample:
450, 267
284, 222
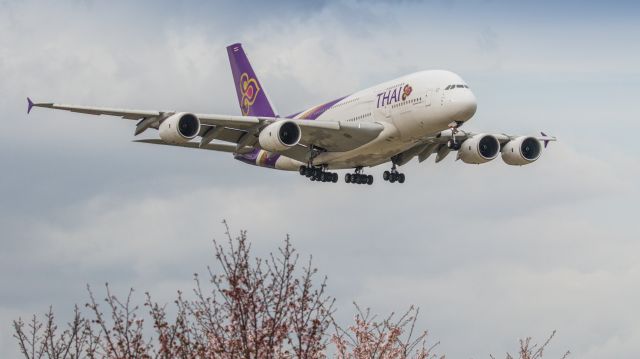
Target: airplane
416, 115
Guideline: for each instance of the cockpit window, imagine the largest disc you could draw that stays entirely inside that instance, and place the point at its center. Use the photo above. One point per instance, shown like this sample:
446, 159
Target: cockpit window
460, 86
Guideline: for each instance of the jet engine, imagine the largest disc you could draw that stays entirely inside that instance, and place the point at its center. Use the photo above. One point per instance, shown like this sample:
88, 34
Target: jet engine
521, 151
479, 149
179, 128
280, 136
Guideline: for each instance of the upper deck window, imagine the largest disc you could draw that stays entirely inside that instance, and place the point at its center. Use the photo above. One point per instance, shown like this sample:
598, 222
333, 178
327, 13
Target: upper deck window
451, 87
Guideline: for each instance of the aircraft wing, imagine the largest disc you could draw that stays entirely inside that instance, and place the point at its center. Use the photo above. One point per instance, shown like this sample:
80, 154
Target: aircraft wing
221, 147
329, 135
437, 144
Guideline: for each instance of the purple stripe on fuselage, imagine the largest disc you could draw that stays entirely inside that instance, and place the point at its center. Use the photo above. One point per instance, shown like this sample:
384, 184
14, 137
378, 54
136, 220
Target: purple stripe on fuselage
315, 112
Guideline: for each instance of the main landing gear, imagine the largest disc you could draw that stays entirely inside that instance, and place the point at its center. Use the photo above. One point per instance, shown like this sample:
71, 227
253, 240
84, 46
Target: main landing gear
393, 175
358, 177
318, 174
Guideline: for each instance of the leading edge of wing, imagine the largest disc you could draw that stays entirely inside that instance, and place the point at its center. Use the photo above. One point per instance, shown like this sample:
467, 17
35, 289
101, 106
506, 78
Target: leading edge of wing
129, 114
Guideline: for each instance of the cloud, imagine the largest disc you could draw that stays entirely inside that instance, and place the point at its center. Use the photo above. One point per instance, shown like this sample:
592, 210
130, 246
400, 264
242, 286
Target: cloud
490, 252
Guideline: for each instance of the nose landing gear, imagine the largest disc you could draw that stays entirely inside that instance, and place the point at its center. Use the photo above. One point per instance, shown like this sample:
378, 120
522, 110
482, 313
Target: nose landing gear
452, 143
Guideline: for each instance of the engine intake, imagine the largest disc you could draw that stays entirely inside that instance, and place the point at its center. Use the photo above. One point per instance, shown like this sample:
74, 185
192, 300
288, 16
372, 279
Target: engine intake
521, 151
179, 128
479, 149
280, 136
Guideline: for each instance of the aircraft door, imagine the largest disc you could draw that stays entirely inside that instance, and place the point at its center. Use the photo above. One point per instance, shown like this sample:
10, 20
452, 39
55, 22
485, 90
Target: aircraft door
428, 97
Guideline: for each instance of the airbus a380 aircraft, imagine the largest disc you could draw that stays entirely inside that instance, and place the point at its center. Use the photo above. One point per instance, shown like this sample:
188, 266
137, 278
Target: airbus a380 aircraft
415, 115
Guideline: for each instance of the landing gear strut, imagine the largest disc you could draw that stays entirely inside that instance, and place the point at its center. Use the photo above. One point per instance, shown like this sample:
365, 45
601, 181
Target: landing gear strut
393, 175
452, 143
318, 174
358, 177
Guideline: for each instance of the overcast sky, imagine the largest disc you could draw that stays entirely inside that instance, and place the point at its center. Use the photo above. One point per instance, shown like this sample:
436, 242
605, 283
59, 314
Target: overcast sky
490, 253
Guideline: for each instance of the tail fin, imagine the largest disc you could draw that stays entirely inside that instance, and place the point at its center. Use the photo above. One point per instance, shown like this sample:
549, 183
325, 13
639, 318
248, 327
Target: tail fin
251, 95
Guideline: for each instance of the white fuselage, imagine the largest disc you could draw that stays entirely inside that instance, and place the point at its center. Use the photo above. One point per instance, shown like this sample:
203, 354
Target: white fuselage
427, 109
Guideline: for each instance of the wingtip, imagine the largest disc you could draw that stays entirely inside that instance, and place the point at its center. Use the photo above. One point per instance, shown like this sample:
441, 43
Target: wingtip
30, 105
546, 142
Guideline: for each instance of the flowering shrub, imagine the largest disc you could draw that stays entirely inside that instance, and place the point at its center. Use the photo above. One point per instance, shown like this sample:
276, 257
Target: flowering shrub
252, 308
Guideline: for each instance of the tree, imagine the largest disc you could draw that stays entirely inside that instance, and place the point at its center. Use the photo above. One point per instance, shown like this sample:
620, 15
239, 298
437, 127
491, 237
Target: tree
248, 307
390, 338
533, 351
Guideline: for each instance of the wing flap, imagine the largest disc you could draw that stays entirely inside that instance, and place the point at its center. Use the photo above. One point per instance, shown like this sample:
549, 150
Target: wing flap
220, 147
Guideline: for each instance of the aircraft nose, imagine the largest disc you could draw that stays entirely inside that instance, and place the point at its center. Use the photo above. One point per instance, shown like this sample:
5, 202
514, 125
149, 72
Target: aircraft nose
465, 104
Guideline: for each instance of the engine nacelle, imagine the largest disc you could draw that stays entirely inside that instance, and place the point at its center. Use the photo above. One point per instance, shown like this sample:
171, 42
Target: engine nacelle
280, 136
479, 149
521, 151
179, 128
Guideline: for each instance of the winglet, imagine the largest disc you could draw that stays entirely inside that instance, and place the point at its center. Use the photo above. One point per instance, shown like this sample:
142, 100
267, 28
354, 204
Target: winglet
30, 105
546, 142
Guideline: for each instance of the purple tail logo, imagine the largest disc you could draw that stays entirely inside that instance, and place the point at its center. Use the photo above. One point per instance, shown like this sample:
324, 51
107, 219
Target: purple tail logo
250, 90
252, 96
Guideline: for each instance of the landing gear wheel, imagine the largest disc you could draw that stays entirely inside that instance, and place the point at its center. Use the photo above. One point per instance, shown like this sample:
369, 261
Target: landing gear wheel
334, 178
302, 170
308, 172
358, 177
393, 175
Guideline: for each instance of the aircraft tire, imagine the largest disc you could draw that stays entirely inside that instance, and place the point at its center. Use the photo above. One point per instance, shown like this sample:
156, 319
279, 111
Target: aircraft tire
347, 178
386, 175
401, 178
370, 180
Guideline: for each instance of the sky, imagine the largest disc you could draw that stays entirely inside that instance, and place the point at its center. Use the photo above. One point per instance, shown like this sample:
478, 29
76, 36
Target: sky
490, 253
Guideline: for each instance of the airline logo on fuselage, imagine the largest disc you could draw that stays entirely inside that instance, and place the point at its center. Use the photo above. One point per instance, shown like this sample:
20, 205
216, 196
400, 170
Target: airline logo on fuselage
398, 93
250, 89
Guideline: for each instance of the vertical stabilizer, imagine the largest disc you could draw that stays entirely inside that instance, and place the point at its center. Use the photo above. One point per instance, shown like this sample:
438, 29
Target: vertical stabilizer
251, 95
